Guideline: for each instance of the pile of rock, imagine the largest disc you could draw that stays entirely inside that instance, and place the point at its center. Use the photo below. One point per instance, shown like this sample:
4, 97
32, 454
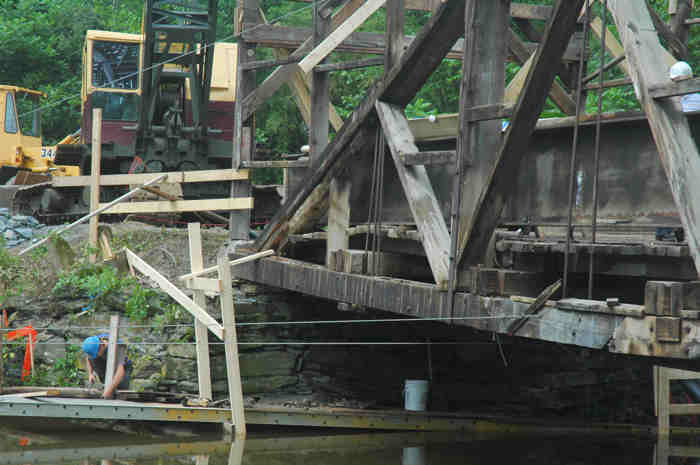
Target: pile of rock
18, 228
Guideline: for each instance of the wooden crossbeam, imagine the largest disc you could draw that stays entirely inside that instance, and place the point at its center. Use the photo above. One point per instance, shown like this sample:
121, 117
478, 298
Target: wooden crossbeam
672, 89
355, 20
171, 178
487, 112
669, 126
419, 191
400, 86
343, 65
165, 206
505, 169
438, 157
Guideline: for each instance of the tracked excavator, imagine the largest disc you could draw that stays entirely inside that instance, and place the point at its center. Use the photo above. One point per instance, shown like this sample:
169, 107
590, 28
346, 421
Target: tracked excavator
167, 99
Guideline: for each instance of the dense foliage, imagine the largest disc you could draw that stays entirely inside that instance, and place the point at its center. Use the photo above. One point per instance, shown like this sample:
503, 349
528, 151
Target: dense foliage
42, 49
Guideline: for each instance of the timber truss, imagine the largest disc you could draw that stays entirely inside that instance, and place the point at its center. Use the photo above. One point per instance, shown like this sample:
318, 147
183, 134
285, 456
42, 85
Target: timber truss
454, 201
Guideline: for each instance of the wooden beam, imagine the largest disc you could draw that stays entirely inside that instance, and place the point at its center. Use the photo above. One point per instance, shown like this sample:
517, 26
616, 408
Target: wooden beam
250, 258
161, 194
504, 172
612, 45
238, 203
673, 89
252, 65
233, 368
669, 126
488, 112
204, 284
172, 177
534, 307
423, 56
95, 168
320, 51
418, 190
320, 89
112, 343
195, 310
442, 157
678, 48
355, 64
338, 217
301, 163
200, 330
517, 83
558, 94
395, 21
282, 74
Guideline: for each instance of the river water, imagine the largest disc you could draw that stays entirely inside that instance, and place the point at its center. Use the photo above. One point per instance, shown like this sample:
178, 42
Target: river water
336, 448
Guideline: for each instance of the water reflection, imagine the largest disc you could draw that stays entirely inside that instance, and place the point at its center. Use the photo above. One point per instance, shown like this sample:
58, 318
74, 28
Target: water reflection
17, 448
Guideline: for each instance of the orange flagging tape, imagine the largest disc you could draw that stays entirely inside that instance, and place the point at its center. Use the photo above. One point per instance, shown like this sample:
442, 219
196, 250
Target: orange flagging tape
31, 342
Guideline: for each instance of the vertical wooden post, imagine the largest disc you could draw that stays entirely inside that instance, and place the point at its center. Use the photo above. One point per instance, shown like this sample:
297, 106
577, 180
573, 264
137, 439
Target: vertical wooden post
233, 369
662, 450
235, 457
200, 330
338, 218
112, 349
246, 13
2, 340
483, 83
320, 87
663, 402
95, 168
395, 19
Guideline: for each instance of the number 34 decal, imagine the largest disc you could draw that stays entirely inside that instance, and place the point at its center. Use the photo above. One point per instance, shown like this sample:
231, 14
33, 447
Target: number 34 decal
48, 152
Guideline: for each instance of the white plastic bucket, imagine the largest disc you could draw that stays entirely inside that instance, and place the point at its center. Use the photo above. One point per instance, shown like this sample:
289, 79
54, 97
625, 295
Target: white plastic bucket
415, 394
413, 456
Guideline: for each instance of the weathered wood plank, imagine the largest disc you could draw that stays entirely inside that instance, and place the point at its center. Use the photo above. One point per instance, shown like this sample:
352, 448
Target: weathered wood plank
320, 87
338, 218
300, 163
489, 111
534, 307
493, 198
419, 191
399, 87
672, 89
669, 126
395, 21
436, 157
164, 206
320, 51
172, 177
354, 64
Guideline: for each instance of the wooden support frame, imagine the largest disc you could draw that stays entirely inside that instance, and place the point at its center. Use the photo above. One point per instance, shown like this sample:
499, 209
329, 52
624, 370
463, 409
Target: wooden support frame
505, 168
417, 63
238, 261
172, 177
419, 191
669, 126
195, 310
200, 330
95, 168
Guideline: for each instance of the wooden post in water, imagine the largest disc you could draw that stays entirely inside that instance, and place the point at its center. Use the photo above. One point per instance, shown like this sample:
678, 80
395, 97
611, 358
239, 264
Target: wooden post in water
95, 168
233, 369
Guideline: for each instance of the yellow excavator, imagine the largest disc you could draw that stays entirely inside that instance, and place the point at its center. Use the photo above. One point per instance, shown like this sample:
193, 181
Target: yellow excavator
24, 160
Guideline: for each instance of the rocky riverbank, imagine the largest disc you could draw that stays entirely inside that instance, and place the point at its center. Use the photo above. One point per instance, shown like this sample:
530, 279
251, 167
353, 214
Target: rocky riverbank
351, 359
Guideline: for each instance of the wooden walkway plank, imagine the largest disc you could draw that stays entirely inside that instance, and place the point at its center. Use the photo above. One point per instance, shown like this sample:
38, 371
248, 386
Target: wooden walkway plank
419, 191
669, 126
417, 64
505, 169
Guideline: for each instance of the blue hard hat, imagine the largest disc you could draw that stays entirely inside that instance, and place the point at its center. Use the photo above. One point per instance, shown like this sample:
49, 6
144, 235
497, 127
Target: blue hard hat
91, 345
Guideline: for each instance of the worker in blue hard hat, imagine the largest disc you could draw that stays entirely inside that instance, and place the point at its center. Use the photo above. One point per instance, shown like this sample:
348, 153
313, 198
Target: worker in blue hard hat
95, 347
